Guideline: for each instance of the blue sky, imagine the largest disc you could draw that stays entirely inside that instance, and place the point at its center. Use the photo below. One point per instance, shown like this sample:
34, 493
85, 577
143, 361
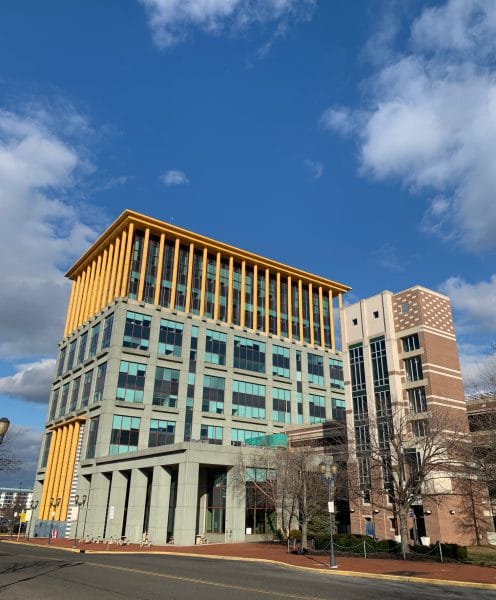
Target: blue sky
353, 140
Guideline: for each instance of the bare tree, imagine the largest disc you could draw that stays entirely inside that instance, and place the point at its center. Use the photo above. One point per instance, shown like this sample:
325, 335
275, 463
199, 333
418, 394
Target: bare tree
8, 462
405, 458
289, 479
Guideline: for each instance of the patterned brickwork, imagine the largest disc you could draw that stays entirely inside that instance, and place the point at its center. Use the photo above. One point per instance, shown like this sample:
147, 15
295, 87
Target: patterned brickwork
417, 306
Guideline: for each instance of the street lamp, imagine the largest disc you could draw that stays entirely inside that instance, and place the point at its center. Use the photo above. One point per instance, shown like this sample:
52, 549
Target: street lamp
328, 473
54, 502
78, 503
4, 426
33, 505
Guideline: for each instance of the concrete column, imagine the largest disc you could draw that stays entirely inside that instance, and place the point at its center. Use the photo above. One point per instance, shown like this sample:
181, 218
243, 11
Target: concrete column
96, 505
235, 509
187, 504
136, 505
116, 505
159, 505
83, 489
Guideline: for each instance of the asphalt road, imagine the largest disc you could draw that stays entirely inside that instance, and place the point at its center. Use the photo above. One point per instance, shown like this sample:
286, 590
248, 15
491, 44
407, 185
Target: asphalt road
31, 573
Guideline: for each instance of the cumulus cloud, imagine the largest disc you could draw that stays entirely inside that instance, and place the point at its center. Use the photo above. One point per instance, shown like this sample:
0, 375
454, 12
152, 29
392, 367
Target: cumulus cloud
431, 122
474, 303
31, 382
22, 444
315, 167
173, 177
41, 232
171, 20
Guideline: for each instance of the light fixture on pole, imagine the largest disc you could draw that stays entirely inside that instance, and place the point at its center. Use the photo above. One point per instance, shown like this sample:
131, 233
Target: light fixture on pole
54, 502
33, 505
328, 473
78, 503
4, 427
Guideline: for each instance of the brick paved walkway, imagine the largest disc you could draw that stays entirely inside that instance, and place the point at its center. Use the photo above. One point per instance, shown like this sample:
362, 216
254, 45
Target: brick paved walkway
414, 569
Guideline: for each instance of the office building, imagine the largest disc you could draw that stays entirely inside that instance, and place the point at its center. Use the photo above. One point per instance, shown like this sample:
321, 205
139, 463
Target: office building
179, 352
401, 358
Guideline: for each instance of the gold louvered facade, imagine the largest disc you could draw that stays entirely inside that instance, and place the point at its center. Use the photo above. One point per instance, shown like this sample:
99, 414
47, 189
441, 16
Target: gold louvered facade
158, 263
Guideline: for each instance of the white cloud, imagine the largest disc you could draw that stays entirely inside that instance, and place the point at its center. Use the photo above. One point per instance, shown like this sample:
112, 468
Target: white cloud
22, 444
431, 123
474, 303
173, 177
31, 382
41, 232
315, 167
387, 256
171, 20
338, 119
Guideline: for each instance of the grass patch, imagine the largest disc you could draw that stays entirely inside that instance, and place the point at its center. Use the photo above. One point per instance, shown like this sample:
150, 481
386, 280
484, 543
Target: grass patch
482, 555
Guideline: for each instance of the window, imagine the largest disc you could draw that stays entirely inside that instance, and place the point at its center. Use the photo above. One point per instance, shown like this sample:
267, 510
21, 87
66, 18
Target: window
95, 331
357, 369
375, 314
360, 408
362, 438
379, 362
92, 437
72, 355
405, 307
336, 374
339, 409
280, 361
239, 436
161, 433
125, 434
383, 406
213, 394
413, 368
60, 366
166, 387
260, 510
100, 382
354, 321
211, 434
215, 347
170, 339
417, 400
63, 399
316, 408
137, 331
107, 331
411, 342
75, 393
85, 398
46, 449
281, 405
414, 462
131, 382
82, 347
315, 369
215, 518
249, 355
419, 427
248, 400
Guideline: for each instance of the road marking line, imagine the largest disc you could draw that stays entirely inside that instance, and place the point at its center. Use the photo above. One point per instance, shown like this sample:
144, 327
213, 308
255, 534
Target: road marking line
205, 582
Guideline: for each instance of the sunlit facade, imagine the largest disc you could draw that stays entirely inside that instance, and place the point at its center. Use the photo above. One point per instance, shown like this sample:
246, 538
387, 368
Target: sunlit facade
178, 352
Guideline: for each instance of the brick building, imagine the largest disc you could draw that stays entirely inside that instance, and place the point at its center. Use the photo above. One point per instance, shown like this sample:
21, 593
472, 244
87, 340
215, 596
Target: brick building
400, 358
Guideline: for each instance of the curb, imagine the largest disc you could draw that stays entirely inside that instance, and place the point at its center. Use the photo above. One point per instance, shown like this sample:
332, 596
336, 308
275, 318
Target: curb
325, 571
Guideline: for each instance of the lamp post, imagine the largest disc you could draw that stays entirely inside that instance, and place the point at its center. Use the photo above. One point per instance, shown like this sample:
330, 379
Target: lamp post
4, 426
33, 505
54, 502
79, 503
328, 473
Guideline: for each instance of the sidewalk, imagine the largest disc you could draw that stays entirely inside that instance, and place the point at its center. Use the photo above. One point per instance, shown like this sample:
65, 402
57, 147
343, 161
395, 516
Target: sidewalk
454, 573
